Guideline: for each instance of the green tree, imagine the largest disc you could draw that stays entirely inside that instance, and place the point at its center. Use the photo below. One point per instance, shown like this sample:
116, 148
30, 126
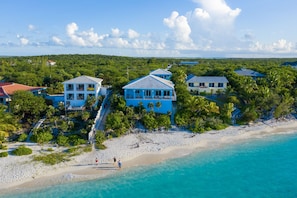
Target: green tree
27, 106
85, 115
90, 102
8, 123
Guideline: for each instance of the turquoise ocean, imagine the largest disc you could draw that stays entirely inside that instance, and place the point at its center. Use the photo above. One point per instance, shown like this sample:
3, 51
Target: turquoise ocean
262, 167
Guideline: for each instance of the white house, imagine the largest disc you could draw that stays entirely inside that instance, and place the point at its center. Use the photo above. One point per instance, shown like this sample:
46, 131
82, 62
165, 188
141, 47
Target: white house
50, 63
77, 90
151, 90
206, 84
162, 73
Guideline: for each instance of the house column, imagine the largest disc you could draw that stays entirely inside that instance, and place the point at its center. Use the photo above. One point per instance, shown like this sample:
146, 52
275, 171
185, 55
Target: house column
142, 94
153, 94
133, 93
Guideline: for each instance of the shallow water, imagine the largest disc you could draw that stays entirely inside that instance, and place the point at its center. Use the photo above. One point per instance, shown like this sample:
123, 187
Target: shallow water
264, 167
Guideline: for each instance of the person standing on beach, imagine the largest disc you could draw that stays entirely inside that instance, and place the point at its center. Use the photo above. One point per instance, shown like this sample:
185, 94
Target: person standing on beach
114, 160
120, 164
96, 160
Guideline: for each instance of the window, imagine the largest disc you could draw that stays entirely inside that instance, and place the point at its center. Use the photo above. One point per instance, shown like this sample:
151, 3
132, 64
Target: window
211, 84
70, 97
201, 84
91, 95
137, 93
191, 84
91, 87
80, 97
69, 87
166, 93
220, 85
148, 93
158, 93
80, 87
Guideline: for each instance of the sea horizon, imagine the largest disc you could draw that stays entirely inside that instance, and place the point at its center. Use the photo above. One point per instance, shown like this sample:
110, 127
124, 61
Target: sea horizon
261, 167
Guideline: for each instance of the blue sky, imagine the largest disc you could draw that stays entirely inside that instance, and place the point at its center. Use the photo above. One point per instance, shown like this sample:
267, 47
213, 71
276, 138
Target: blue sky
151, 28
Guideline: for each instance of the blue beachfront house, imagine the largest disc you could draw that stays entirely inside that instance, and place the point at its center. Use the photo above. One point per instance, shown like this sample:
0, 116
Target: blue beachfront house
150, 91
77, 90
162, 73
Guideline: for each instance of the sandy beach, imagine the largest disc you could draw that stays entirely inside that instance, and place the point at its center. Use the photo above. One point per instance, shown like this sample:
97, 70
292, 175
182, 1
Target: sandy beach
19, 173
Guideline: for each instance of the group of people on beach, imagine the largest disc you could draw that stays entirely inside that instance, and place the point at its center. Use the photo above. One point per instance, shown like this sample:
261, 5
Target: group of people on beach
114, 162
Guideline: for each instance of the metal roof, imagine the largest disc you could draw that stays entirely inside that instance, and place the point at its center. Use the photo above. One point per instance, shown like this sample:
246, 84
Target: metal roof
150, 82
248, 72
83, 79
161, 72
208, 79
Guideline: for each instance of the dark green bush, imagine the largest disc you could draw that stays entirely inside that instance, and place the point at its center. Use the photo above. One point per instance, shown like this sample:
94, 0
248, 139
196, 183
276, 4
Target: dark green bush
22, 150
3, 147
22, 137
62, 140
4, 154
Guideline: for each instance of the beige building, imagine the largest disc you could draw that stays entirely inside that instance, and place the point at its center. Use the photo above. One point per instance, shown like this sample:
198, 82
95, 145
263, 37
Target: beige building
206, 84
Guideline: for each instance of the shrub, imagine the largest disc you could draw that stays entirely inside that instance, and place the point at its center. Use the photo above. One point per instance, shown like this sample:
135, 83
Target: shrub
42, 137
51, 159
22, 137
50, 149
72, 149
4, 154
100, 146
3, 147
87, 148
62, 140
22, 150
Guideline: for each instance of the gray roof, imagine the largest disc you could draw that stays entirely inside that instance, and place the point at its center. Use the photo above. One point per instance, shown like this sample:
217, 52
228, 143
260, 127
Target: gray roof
161, 72
84, 79
248, 72
208, 79
189, 62
150, 82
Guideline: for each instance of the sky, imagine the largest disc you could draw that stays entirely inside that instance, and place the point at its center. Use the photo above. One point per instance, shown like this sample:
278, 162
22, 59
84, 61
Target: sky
149, 28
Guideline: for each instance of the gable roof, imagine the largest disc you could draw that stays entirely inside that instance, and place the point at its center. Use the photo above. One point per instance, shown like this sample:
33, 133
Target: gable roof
248, 72
8, 88
208, 79
161, 72
150, 82
84, 79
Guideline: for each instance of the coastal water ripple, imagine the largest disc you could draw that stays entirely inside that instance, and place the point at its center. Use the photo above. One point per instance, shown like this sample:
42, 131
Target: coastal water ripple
253, 168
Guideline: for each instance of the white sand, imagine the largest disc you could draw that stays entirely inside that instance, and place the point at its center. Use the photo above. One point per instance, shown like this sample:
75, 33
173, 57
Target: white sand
19, 172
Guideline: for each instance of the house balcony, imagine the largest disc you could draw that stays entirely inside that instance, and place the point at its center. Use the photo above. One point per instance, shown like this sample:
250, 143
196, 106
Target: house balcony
90, 89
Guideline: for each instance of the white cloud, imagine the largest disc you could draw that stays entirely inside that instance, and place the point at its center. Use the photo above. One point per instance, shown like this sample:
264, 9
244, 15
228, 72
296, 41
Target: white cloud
132, 34
57, 40
180, 29
87, 38
23, 40
201, 14
280, 46
115, 32
31, 27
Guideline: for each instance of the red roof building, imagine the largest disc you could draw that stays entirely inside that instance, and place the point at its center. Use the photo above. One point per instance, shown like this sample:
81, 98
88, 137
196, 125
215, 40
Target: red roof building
8, 88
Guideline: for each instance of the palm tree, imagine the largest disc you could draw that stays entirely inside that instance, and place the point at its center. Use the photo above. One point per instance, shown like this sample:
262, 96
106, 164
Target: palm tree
151, 106
158, 104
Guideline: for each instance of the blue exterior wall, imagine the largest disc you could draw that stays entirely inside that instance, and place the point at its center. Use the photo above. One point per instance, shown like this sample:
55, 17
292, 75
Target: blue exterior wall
166, 105
135, 97
56, 99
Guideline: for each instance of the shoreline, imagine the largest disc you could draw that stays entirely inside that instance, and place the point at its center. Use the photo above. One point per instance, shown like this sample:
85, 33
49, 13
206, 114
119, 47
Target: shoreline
134, 150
